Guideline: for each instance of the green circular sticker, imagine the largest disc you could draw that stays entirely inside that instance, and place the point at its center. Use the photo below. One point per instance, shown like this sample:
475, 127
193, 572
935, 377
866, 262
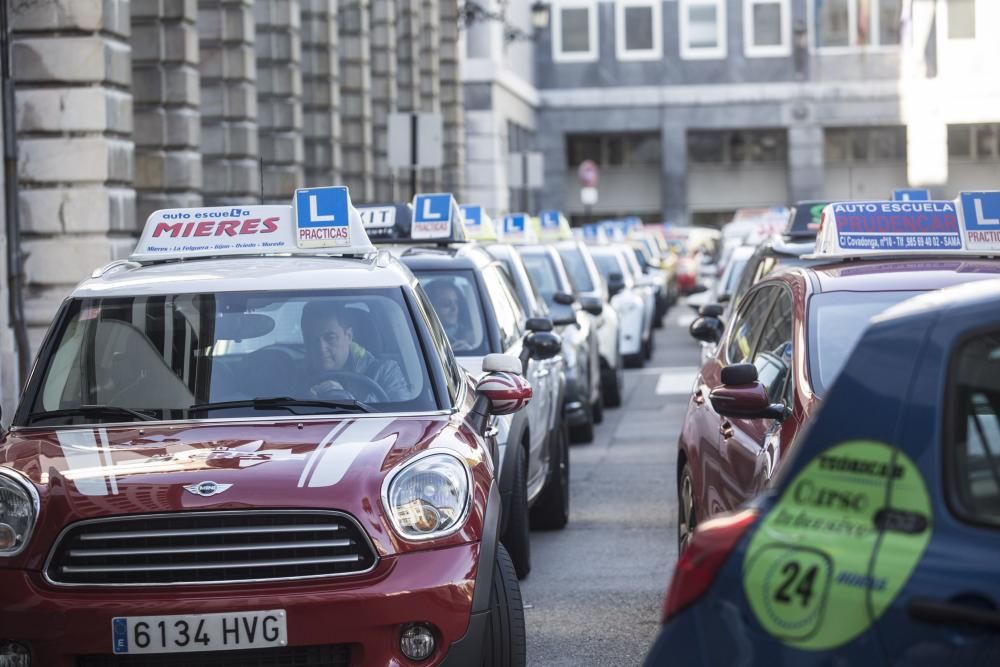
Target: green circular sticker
809, 571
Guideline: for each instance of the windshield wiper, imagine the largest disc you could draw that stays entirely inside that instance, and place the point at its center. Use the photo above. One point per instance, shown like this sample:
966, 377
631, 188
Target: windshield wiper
286, 403
92, 410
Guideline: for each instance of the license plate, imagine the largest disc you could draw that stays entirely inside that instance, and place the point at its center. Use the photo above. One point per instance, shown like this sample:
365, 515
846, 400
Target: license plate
199, 632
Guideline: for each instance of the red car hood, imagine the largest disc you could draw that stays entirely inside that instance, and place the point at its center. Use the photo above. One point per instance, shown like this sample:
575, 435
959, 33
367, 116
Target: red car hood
330, 464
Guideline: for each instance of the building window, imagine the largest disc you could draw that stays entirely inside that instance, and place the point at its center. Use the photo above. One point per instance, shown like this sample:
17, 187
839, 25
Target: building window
702, 29
574, 31
639, 29
974, 142
859, 145
633, 149
961, 19
736, 147
847, 24
767, 28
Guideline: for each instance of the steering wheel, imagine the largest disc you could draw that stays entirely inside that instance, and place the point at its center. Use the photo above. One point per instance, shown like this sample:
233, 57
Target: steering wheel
352, 382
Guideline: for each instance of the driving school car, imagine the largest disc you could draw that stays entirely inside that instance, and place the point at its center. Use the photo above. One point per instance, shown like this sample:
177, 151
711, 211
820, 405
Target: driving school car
787, 342
251, 443
878, 545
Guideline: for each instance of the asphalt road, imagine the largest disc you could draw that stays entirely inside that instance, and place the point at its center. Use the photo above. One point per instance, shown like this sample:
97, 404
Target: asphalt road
596, 588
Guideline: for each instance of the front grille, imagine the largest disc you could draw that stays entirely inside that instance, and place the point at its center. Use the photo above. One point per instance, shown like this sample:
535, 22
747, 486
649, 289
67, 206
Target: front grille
209, 547
335, 655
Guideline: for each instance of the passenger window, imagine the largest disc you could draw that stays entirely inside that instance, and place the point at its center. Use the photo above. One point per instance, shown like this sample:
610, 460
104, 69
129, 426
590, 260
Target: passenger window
748, 325
773, 358
975, 437
452, 371
506, 317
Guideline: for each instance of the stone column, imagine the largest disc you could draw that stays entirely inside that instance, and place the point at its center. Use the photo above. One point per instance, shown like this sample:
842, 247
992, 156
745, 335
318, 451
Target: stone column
356, 99
673, 172
166, 96
430, 77
228, 102
452, 102
9, 380
279, 97
321, 92
71, 63
408, 70
383, 61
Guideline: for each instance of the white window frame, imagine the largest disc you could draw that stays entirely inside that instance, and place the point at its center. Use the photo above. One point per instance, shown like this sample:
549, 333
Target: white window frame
621, 44
591, 55
688, 53
750, 49
852, 37
944, 19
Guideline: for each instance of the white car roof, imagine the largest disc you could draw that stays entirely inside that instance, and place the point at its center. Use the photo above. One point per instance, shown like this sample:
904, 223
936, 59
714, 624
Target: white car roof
243, 274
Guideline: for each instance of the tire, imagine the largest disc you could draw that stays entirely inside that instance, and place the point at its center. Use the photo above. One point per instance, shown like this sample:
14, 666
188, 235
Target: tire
551, 510
597, 408
584, 432
505, 643
611, 385
515, 536
635, 360
647, 348
687, 519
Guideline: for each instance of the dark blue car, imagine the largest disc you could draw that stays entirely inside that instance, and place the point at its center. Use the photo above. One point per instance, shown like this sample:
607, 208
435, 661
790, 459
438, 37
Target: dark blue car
879, 543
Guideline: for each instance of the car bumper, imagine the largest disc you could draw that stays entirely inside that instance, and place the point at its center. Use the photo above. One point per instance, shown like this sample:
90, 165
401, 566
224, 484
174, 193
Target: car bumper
432, 586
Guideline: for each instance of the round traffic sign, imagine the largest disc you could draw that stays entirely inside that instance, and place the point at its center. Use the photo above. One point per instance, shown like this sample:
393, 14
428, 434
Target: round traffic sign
588, 174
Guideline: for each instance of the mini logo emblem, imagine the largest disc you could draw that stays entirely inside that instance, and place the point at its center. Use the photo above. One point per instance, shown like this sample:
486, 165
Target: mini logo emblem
206, 489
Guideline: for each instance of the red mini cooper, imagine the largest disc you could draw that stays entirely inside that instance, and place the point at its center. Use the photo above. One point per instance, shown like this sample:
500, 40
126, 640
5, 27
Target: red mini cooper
229, 457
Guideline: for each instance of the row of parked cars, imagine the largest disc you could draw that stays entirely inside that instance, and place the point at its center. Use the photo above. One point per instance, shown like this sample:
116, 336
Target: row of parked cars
311, 434
841, 444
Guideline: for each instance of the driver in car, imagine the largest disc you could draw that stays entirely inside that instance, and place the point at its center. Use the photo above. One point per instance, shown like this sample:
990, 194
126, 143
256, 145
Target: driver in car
447, 301
332, 357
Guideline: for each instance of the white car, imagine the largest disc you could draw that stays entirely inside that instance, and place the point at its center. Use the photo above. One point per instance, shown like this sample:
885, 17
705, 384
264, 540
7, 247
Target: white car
627, 301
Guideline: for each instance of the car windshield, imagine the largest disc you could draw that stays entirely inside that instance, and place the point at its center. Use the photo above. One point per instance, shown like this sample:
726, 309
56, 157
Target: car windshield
836, 322
180, 356
577, 268
456, 300
544, 275
607, 263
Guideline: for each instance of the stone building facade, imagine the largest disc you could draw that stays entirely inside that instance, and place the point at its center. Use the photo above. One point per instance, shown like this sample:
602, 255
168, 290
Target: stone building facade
127, 106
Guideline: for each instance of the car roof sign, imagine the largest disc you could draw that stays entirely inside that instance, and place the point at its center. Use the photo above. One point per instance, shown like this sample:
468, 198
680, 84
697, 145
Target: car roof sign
554, 226
969, 226
478, 224
437, 217
593, 233
803, 222
911, 194
980, 212
330, 225
387, 223
518, 228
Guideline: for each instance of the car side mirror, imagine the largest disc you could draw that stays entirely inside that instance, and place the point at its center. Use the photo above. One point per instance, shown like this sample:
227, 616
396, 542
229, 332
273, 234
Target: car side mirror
504, 392
538, 324
706, 329
543, 344
711, 310
724, 298
563, 299
592, 305
742, 396
616, 283
698, 289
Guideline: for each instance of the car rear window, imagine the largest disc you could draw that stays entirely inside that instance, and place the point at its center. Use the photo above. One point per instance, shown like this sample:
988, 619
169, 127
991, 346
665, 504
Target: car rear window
160, 355
455, 298
577, 269
543, 274
836, 322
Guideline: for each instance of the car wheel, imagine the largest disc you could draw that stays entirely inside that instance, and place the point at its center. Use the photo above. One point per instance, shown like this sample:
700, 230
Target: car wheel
506, 643
583, 432
597, 409
611, 385
647, 348
636, 360
551, 510
686, 518
515, 536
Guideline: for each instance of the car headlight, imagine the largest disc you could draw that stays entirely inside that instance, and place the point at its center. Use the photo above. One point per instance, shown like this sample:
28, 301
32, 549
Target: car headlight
428, 497
18, 511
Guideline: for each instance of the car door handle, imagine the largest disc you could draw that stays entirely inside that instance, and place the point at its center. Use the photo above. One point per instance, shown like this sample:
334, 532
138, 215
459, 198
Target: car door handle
942, 612
699, 397
726, 430
542, 373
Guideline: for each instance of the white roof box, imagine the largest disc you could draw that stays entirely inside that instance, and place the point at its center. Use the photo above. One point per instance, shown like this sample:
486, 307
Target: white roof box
320, 221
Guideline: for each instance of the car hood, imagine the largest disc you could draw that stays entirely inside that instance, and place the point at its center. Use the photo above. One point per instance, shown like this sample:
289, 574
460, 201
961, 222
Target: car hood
324, 464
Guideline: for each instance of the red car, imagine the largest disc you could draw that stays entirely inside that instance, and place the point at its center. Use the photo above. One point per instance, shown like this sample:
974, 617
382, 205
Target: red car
255, 459
786, 343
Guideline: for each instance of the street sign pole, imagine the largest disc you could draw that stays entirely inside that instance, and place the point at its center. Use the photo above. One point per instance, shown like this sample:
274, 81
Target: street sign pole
413, 155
